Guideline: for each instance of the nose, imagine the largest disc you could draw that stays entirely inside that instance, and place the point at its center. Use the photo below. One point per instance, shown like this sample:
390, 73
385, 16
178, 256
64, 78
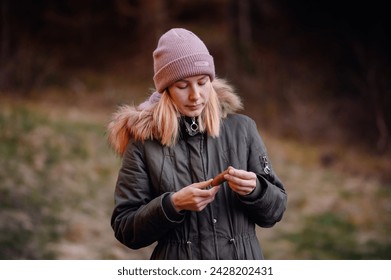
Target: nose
195, 93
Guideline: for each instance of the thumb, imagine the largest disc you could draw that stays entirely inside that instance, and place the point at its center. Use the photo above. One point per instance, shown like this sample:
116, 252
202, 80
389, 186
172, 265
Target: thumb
203, 184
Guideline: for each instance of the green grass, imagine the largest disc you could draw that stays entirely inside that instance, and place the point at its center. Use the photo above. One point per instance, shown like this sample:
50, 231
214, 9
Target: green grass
331, 214
330, 236
48, 165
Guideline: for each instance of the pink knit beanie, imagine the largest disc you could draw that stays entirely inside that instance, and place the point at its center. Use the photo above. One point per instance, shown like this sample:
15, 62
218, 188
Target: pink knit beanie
180, 54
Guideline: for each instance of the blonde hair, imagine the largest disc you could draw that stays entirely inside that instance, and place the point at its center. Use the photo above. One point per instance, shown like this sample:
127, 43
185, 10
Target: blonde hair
160, 119
167, 118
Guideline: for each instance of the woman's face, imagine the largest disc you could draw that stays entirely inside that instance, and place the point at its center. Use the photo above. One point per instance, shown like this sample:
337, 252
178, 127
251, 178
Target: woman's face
191, 94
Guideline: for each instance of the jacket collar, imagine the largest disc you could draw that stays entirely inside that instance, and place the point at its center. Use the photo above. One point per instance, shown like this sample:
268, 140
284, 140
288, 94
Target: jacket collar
137, 121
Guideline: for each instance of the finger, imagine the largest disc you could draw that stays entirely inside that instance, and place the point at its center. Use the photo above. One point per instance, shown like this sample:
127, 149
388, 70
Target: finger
243, 174
202, 185
210, 199
214, 190
241, 190
209, 193
200, 205
240, 182
245, 191
201, 191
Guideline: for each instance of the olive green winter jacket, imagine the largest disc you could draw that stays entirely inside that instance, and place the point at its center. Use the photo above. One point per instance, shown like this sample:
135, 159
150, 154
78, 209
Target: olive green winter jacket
150, 173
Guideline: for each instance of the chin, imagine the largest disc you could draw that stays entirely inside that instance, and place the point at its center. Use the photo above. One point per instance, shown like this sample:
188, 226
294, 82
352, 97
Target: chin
194, 113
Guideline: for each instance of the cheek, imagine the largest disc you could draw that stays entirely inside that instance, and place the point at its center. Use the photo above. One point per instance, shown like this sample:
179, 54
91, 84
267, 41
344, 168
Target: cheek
178, 100
206, 94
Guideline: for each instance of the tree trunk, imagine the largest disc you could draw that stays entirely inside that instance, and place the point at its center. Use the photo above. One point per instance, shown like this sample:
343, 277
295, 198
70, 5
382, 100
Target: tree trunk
5, 39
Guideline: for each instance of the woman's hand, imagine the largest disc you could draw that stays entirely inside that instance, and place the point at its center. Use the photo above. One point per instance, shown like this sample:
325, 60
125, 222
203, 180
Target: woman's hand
241, 181
194, 197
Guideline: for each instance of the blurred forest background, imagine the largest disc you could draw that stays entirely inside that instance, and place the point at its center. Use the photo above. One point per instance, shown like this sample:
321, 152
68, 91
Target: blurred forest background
315, 75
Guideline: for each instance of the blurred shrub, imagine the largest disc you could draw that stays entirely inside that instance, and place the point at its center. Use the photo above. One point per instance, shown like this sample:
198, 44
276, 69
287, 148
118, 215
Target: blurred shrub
330, 236
28, 206
47, 167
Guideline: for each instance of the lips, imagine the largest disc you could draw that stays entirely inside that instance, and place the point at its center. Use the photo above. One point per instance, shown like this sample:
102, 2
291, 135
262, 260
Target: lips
194, 107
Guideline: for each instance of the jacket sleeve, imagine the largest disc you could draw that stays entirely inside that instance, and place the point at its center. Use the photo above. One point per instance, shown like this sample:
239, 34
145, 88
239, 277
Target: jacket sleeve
140, 217
267, 203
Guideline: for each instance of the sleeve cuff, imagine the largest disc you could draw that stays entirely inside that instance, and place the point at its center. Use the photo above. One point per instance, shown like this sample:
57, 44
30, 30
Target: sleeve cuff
169, 210
257, 192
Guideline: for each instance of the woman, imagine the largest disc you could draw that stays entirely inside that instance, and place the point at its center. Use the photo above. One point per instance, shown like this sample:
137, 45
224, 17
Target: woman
173, 145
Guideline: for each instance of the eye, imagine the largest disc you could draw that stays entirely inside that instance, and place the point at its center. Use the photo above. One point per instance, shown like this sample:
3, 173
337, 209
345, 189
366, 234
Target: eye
181, 85
202, 82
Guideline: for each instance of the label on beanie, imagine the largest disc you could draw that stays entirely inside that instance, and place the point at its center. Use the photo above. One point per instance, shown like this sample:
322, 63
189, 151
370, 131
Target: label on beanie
201, 63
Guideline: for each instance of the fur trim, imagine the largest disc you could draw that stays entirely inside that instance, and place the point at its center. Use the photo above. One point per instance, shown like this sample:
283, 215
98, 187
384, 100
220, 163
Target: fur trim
230, 102
136, 121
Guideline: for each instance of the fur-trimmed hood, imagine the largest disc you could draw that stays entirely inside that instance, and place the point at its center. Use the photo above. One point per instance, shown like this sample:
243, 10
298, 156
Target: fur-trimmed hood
137, 121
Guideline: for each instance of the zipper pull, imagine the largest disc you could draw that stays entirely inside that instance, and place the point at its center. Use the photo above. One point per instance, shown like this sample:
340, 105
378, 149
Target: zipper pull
194, 125
266, 167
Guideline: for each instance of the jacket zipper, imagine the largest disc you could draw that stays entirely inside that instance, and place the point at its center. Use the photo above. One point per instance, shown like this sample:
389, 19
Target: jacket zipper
212, 217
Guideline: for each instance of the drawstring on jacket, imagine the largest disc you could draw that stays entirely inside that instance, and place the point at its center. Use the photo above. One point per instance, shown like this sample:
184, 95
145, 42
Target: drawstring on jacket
233, 241
231, 228
186, 234
188, 250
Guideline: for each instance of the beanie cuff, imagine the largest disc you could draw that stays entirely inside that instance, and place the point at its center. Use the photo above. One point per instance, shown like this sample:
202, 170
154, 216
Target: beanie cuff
192, 65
